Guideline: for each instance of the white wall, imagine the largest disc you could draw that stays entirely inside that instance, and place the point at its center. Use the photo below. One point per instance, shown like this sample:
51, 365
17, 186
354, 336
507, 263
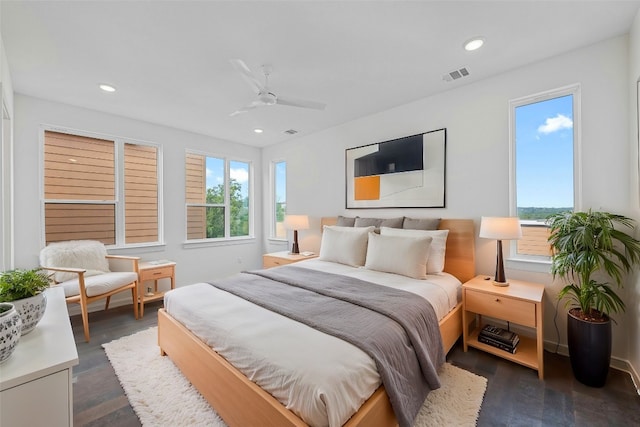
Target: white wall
5, 76
476, 116
633, 301
193, 264
6, 145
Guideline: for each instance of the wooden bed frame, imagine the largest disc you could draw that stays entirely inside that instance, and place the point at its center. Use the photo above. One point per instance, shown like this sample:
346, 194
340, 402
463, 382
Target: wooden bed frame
240, 402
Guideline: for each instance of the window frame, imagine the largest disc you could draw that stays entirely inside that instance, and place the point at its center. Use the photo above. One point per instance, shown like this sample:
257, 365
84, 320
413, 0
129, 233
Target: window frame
227, 239
273, 198
119, 171
539, 262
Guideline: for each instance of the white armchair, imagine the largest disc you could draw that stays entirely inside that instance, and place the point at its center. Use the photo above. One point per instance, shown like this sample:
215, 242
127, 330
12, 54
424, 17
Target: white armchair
81, 267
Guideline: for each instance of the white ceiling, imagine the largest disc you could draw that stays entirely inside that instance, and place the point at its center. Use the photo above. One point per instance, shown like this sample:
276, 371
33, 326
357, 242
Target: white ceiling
170, 59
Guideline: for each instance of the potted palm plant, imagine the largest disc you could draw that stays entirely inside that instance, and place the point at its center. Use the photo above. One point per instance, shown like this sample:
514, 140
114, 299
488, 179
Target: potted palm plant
24, 289
588, 251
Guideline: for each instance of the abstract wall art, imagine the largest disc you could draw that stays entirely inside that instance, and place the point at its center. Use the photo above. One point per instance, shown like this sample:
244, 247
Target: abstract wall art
407, 172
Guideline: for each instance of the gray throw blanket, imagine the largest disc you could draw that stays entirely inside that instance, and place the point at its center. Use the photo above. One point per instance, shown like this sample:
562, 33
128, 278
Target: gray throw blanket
397, 329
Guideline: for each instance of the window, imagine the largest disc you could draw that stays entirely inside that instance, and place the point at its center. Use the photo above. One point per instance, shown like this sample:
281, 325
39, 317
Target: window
218, 197
544, 164
100, 189
279, 199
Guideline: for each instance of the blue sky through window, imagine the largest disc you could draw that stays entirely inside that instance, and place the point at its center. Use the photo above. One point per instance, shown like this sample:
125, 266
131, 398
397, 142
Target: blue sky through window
215, 172
237, 170
544, 153
280, 171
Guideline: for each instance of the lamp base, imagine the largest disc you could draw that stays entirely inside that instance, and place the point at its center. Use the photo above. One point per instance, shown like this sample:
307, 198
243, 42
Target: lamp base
295, 249
501, 284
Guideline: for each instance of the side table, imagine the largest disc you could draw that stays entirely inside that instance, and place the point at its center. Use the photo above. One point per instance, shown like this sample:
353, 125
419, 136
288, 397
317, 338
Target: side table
154, 270
520, 303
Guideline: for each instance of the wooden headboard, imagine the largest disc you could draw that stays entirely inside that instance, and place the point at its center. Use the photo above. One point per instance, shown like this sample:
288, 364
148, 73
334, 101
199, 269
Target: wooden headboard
460, 257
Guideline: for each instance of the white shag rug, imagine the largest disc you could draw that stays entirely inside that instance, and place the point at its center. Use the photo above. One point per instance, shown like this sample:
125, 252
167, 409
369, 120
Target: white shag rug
152, 383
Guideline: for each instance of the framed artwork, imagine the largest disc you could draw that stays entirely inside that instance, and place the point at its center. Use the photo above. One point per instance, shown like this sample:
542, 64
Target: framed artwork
407, 172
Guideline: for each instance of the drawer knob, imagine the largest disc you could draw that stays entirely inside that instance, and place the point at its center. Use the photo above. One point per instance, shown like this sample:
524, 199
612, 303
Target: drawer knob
497, 299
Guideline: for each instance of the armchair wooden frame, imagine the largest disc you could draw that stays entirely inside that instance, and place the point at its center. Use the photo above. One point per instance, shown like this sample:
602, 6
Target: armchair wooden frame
85, 300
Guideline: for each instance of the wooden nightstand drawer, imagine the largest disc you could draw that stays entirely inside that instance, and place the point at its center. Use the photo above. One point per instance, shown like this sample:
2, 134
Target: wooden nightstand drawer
501, 307
156, 273
269, 261
275, 259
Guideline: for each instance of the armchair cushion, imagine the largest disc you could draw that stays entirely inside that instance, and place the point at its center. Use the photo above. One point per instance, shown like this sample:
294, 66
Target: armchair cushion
99, 284
89, 255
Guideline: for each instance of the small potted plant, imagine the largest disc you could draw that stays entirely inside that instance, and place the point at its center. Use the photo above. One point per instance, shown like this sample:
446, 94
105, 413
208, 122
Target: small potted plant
589, 251
24, 289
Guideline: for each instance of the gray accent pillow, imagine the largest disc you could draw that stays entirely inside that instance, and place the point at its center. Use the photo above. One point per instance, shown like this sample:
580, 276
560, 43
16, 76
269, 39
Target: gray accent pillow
379, 222
421, 223
345, 221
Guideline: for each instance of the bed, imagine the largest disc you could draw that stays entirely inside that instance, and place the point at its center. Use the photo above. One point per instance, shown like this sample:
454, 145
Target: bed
230, 392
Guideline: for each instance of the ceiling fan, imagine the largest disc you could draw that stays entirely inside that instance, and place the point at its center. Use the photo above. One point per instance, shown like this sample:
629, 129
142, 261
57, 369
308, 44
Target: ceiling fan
264, 95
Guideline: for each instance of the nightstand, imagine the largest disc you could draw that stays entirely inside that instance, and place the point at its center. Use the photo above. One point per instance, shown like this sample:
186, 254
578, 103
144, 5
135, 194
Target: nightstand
520, 303
154, 270
275, 259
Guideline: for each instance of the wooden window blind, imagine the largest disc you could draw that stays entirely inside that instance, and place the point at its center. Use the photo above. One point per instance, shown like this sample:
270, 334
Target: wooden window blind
77, 171
78, 168
81, 221
141, 193
80, 190
196, 193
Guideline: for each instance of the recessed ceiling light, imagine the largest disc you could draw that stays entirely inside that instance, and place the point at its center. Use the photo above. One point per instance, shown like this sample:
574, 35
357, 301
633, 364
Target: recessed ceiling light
473, 44
107, 88
258, 130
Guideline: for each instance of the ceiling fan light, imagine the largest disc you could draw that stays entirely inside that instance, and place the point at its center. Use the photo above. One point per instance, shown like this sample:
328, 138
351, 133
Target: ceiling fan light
267, 98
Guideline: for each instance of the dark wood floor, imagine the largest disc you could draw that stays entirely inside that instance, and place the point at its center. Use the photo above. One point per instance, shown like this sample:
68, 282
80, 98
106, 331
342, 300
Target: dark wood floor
514, 397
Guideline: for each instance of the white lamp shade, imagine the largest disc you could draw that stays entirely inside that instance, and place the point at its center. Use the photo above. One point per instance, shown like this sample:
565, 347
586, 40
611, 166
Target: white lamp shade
500, 228
296, 222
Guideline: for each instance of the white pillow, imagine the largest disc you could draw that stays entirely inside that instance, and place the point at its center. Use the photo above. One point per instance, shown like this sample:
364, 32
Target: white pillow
86, 254
398, 254
345, 245
435, 262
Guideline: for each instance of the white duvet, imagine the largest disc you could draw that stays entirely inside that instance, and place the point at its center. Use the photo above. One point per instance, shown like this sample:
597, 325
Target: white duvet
322, 379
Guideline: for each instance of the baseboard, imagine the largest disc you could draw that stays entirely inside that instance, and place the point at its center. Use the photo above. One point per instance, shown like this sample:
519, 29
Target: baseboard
616, 362
626, 366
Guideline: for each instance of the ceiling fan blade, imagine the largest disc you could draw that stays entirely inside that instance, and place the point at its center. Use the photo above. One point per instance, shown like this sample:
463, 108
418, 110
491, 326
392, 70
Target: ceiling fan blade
247, 75
300, 103
244, 109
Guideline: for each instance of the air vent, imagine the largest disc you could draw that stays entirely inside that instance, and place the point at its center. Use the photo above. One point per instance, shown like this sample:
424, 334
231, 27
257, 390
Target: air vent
456, 74
291, 131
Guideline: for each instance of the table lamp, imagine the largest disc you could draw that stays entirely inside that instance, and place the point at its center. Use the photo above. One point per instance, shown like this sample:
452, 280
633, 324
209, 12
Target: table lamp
295, 223
500, 228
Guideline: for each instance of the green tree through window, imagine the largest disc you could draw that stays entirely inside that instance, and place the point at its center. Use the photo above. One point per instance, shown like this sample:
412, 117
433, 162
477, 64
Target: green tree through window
207, 214
280, 198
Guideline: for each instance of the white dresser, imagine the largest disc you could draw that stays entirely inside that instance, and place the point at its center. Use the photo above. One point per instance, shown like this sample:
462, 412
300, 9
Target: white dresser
36, 381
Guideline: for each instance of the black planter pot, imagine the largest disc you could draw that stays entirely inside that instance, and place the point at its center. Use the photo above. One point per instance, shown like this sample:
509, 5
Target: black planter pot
589, 350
